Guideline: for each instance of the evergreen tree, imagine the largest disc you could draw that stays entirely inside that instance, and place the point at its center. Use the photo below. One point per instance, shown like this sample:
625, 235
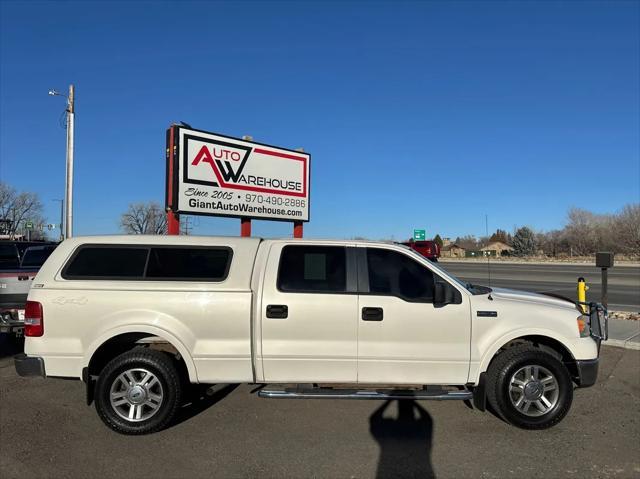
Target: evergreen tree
524, 242
438, 240
509, 239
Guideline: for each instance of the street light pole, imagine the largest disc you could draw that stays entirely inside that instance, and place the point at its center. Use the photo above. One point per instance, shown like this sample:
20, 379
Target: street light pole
68, 190
69, 179
61, 218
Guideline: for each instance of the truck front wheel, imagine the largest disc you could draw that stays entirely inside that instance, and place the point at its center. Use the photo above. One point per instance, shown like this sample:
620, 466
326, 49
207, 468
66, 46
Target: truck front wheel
138, 392
529, 388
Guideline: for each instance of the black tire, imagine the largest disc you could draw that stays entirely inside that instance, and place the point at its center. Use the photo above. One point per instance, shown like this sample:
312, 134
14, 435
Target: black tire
499, 376
168, 387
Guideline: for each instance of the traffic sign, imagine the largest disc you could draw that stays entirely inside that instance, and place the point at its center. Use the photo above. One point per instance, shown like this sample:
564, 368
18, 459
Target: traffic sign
419, 235
29, 225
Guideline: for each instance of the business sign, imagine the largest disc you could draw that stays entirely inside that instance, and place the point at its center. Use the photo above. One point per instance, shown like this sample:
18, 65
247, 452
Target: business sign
419, 235
212, 174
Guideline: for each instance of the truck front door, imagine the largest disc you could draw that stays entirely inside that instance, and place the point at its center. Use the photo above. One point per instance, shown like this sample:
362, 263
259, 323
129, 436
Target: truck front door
309, 310
402, 337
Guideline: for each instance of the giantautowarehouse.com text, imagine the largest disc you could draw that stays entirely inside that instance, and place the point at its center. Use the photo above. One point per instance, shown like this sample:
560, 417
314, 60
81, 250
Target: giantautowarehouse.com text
242, 208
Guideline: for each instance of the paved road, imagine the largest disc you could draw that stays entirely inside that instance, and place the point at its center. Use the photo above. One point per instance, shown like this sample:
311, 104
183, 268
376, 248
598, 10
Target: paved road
624, 281
48, 431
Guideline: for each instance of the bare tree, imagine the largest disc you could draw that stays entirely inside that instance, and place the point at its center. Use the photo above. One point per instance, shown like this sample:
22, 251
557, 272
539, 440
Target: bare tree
18, 208
581, 231
500, 235
627, 228
584, 233
144, 219
552, 243
467, 242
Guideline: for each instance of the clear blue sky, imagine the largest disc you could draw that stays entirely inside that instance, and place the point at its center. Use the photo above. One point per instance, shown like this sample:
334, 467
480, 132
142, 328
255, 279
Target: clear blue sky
425, 114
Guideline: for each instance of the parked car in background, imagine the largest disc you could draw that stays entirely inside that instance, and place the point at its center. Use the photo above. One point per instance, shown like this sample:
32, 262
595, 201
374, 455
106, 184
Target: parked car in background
428, 249
9, 255
35, 256
19, 263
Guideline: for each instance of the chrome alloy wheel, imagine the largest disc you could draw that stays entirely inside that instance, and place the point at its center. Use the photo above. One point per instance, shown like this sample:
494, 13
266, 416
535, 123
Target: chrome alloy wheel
136, 395
533, 390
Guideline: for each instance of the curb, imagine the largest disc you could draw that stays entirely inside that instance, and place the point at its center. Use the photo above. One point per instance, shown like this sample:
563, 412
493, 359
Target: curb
622, 343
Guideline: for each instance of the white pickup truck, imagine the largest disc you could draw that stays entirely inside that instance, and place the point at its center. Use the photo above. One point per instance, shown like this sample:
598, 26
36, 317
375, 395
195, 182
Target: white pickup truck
138, 318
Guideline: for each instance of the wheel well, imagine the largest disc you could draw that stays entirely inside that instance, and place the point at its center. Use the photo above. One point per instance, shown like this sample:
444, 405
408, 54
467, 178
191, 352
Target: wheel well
547, 344
126, 342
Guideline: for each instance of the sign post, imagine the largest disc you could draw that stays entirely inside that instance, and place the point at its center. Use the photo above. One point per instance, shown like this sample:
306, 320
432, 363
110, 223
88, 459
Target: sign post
245, 227
215, 175
173, 219
419, 235
28, 226
604, 260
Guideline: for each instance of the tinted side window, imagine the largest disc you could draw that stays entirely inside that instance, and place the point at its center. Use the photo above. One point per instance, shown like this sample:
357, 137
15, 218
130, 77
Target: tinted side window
107, 262
393, 273
210, 264
313, 269
35, 257
8, 256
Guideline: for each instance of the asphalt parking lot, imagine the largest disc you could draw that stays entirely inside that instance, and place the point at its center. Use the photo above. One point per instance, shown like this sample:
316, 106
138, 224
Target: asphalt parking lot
48, 431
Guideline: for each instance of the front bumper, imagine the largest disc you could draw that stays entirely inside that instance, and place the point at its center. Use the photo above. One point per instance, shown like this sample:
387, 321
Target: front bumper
587, 372
29, 365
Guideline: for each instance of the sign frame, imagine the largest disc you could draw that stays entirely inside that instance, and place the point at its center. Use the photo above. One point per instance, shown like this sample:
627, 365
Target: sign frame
174, 170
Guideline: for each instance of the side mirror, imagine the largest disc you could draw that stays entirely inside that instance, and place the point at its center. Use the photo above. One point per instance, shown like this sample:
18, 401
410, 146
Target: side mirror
444, 294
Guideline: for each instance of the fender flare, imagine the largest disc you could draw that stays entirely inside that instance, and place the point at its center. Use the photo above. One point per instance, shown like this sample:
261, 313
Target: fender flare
510, 336
147, 329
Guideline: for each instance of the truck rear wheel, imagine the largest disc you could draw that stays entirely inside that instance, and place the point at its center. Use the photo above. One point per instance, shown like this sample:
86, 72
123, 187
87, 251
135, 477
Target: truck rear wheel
138, 392
529, 388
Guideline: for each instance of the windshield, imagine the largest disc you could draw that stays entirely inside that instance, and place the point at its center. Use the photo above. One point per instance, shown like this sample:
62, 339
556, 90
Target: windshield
472, 288
35, 257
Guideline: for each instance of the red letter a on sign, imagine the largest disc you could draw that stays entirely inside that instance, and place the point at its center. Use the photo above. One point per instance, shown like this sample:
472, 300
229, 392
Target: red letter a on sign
203, 155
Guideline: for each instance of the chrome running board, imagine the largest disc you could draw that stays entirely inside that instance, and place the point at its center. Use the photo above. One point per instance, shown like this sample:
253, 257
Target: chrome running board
328, 393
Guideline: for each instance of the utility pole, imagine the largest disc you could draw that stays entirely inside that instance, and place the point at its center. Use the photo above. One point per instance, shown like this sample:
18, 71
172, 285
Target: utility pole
68, 191
61, 218
486, 232
69, 183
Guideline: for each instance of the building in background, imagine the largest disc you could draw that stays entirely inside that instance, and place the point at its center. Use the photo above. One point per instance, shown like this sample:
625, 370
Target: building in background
452, 250
497, 248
